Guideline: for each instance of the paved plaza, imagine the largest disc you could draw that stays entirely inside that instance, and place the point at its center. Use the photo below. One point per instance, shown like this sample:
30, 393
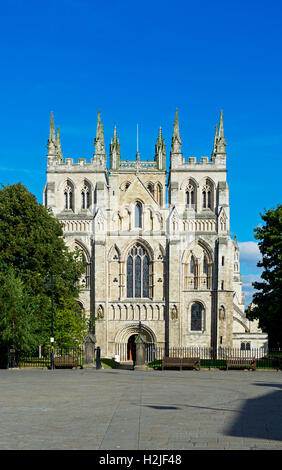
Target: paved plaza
126, 410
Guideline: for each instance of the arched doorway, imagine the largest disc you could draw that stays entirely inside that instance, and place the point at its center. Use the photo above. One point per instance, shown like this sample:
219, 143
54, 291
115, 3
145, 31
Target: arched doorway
125, 340
131, 348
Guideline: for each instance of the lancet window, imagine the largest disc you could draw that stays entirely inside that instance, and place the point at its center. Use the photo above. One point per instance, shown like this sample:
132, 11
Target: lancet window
85, 197
68, 196
159, 194
138, 215
207, 195
138, 272
197, 317
190, 196
198, 270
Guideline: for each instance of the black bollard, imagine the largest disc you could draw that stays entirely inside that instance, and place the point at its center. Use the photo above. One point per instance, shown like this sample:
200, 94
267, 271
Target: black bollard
98, 358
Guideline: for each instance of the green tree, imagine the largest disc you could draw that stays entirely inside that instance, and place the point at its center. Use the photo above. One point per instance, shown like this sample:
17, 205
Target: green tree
18, 320
70, 324
268, 298
32, 244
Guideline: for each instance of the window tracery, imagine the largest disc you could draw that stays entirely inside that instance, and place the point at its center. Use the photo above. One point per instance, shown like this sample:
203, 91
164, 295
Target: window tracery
68, 195
207, 195
190, 195
138, 272
85, 197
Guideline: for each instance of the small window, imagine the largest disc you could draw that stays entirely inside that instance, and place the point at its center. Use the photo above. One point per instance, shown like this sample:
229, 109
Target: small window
196, 317
222, 261
68, 194
192, 266
138, 215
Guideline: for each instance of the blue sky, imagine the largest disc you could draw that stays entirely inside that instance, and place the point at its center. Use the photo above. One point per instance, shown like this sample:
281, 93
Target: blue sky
138, 62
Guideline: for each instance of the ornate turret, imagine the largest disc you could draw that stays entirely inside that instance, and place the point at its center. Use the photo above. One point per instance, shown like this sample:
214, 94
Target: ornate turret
219, 154
100, 153
175, 154
59, 149
114, 151
54, 154
160, 151
51, 145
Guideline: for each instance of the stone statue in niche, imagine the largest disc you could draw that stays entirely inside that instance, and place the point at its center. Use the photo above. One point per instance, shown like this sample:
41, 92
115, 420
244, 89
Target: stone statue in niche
100, 312
173, 313
221, 313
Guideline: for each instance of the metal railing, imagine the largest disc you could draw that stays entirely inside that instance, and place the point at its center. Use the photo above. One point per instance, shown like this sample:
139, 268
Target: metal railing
42, 358
210, 357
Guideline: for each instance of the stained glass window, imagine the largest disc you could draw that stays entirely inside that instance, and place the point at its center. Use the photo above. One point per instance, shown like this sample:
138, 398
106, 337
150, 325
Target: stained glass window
138, 276
138, 272
146, 276
196, 317
130, 276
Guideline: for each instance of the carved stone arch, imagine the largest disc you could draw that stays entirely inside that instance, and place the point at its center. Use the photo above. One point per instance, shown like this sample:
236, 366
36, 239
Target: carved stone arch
143, 243
86, 181
159, 251
62, 183
125, 185
207, 249
114, 251
185, 182
207, 179
150, 185
76, 242
124, 333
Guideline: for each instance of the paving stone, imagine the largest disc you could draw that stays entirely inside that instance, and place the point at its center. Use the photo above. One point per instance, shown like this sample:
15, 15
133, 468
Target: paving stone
130, 410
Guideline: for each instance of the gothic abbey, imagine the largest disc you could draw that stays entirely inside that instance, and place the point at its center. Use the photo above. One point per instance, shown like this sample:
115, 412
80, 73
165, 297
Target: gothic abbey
160, 256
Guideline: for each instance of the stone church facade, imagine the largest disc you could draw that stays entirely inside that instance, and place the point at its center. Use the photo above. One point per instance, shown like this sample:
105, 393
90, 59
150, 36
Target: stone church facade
156, 244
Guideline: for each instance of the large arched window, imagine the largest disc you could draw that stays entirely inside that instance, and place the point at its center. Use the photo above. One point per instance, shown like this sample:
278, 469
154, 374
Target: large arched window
138, 275
191, 195
85, 196
196, 317
207, 195
68, 195
138, 215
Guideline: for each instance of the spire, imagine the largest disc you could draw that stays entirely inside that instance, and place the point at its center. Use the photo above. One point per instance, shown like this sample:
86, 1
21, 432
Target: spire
219, 143
221, 132
160, 151
51, 145
176, 140
59, 148
99, 140
52, 128
114, 151
215, 139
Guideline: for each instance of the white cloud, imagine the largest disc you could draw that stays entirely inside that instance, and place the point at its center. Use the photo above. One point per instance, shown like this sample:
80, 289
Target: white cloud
248, 289
249, 257
249, 253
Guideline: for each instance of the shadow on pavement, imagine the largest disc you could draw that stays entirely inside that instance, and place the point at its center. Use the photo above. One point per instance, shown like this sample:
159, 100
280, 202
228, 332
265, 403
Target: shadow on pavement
260, 418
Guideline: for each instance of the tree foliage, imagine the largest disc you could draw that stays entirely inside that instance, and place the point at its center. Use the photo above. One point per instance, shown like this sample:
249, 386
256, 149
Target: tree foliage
32, 247
267, 301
